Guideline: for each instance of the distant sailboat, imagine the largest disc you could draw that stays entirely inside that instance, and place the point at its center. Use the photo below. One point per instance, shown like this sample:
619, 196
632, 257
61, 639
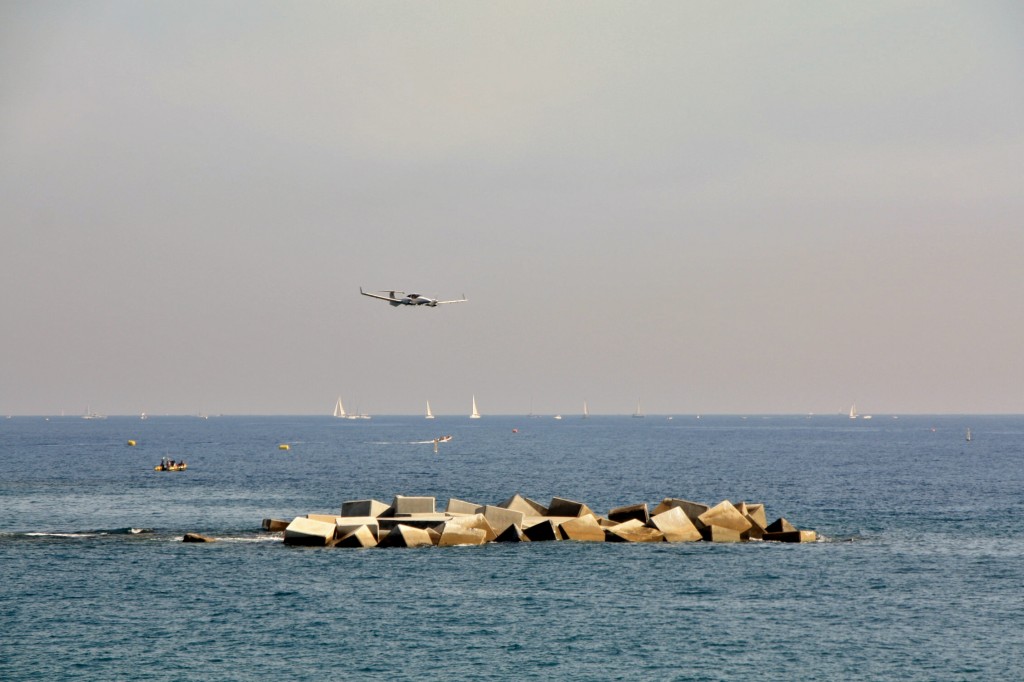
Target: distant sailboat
430, 415
853, 411
586, 412
638, 414
968, 434
339, 410
476, 413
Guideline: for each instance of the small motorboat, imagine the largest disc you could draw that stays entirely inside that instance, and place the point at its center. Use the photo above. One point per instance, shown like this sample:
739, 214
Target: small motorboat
170, 465
444, 439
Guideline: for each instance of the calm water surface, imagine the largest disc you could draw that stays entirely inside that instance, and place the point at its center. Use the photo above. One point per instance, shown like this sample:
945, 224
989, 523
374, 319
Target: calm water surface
919, 574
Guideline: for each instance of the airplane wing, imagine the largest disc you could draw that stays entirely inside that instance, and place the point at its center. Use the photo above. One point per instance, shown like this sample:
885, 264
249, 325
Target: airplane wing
458, 300
383, 298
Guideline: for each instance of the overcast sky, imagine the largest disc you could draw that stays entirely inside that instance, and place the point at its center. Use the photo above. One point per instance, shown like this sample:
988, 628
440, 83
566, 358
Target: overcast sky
742, 207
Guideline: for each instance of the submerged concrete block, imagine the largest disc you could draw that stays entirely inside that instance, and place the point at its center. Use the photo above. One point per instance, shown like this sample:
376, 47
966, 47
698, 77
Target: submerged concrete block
303, 531
562, 507
780, 525
363, 508
454, 534
362, 536
404, 504
633, 531
692, 509
525, 505
676, 526
274, 525
501, 518
512, 534
462, 507
344, 525
582, 529
543, 531
196, 537
406, 536
791, 536
633, 511
725, 515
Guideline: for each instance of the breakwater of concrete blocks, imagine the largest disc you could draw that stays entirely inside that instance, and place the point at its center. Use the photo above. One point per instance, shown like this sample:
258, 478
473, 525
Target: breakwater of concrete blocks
415, 522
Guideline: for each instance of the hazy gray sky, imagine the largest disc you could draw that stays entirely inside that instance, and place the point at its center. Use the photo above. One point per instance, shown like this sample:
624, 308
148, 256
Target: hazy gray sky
743, 207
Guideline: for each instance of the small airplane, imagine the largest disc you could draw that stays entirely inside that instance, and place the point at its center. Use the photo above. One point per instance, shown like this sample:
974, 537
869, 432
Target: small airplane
409, 299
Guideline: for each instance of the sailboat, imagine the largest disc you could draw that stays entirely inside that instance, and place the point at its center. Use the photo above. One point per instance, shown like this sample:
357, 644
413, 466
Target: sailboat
339, 410
430, 415
476, 413
586, 412
853, 411
968, 434
638, 414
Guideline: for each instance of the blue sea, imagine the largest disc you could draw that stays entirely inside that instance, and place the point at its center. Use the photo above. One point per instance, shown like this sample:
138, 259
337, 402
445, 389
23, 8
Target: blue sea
918, 573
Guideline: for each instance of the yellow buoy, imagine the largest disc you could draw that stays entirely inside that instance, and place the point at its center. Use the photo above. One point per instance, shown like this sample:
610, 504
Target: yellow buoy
284, 446
131, 442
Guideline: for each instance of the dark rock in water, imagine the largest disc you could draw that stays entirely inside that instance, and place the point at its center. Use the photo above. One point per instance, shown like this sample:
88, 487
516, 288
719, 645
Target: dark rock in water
196, 537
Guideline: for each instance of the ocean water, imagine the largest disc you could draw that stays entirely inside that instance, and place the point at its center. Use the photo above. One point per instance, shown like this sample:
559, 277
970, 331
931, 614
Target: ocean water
918, 573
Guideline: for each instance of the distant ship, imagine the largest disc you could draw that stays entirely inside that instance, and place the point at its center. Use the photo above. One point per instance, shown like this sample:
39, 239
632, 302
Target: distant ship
475, 414
430, 415
638, 414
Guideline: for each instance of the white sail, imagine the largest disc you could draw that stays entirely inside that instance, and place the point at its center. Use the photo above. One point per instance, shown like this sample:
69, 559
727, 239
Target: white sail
638, 413
430, 415
476, 413
853, 411
586, 412
339, 409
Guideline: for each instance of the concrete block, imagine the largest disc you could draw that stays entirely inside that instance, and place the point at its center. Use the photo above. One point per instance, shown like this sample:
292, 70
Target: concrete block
692, 509
720, 534
435, 536
454, 534
362, 536
525, 505
633, 511
676, 526
501, 518
326, 518
406, 536
791, 536
633, 531
303, 531
512, 534
403, 504
475, 521
462, 507
415, 520
562, 507
780, 525
755, 532
363, 508
274, 525
755, 512
344, 525
725, 515
543, 531
196, 537
582, 529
